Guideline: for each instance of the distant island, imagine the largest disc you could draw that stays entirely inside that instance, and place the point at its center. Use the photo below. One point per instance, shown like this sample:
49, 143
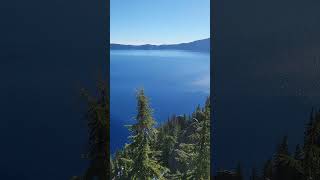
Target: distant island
199, 45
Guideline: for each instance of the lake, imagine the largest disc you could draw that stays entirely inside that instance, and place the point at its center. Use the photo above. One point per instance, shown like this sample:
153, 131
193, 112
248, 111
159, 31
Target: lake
175, 82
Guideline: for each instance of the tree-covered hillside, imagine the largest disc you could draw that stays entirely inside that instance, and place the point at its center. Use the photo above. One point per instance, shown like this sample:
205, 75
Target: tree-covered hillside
176, 149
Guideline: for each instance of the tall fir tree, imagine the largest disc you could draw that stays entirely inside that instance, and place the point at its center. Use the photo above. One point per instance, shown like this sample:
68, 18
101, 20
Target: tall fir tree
145, 166
97, 116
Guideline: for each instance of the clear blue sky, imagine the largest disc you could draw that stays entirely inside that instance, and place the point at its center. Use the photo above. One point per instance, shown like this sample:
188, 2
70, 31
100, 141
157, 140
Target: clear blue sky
159, 21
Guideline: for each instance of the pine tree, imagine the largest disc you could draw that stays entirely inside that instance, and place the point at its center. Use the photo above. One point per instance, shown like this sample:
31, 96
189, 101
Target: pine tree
183, 144
194, 154
144, 164
203, 159
98, 125
186, 156
122, 165
297, 156
167, 140
281, 171
308, 162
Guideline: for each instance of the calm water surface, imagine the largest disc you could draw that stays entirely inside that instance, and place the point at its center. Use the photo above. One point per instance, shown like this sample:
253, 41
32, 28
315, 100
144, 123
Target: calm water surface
175, 82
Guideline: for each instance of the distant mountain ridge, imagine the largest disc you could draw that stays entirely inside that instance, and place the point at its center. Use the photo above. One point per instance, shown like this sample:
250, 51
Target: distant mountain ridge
199, 45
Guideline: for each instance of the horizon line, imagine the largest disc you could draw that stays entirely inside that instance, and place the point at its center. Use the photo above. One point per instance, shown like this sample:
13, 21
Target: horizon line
155, 44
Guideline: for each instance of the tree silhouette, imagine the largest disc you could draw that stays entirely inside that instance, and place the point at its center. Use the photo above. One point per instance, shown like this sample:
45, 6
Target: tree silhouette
97, 116
306, 161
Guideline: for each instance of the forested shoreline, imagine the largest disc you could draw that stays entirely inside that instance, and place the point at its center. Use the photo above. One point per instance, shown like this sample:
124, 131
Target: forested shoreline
179, 148
176, 149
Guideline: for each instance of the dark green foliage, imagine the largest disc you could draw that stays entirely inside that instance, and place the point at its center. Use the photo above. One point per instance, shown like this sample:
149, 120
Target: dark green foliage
177, 149
98, 122
281, 171
139, 159
202, 136
193, 149
303, 164
121, 165
306, 161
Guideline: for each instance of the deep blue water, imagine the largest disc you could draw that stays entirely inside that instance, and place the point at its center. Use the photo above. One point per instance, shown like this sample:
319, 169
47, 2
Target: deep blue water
175, 81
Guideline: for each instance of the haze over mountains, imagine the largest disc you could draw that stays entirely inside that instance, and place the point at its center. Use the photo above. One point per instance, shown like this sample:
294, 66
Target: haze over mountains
202, 45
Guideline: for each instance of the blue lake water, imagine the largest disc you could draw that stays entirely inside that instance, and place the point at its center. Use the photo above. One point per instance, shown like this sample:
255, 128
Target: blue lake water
175, 81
